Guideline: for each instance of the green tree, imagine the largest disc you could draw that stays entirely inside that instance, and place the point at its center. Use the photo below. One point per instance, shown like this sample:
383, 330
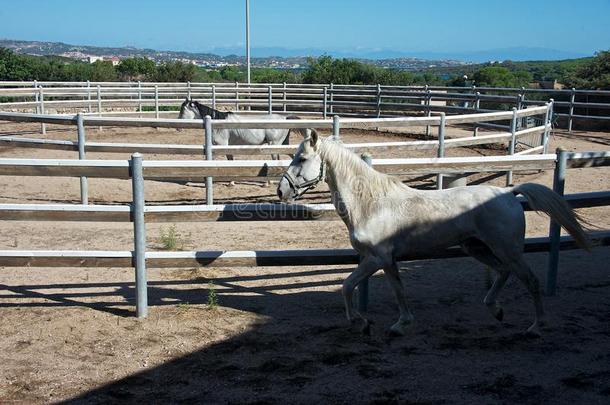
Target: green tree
174, 71
593, 75
499, 76
135, 68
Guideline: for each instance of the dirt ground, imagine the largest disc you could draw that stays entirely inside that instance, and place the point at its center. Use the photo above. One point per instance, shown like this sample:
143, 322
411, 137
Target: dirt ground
279, 335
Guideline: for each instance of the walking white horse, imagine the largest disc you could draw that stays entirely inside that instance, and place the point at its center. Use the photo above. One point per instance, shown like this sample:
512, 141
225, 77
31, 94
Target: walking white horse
388, 220
192, 109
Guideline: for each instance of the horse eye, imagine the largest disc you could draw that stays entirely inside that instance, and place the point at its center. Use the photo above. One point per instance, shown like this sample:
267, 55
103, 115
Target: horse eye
302, 159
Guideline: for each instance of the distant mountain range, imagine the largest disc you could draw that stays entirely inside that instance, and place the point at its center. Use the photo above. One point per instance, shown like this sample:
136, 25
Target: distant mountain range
279, 57
500, 54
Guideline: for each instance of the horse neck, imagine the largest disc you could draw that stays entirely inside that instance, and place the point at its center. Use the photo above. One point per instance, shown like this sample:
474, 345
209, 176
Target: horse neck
212, 112
355, 187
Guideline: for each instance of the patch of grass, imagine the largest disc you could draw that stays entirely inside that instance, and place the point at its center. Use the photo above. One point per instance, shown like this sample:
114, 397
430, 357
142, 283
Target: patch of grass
184, 305
170, 239
212, 297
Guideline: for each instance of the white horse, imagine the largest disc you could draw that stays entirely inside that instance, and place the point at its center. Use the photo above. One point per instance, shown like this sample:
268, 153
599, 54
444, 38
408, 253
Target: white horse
192, 109
387, 220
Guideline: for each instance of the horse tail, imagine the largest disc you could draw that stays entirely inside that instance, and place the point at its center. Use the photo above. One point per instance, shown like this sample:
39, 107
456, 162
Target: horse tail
542, 198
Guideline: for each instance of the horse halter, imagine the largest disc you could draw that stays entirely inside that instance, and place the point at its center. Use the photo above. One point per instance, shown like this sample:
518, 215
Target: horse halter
301, 188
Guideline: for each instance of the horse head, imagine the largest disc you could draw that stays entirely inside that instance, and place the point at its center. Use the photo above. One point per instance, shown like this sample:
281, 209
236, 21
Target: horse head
189, 109
305, 171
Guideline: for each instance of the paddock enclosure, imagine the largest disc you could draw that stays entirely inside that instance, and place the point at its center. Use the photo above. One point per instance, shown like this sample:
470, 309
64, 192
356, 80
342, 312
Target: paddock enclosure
93, 173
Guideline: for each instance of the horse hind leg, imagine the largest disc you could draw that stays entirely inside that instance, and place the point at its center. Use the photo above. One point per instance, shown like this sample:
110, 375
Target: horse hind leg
524, 273
506, 263
481, 252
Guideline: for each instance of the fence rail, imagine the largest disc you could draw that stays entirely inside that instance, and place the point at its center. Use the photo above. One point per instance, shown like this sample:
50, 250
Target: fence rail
324, 99
139, 214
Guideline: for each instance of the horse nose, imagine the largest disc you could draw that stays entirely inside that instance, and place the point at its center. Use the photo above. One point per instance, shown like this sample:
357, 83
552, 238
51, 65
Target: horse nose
279, 193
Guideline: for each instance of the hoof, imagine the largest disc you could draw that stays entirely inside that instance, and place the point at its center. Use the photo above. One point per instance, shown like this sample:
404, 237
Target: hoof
398, 329
366, 328
533, 331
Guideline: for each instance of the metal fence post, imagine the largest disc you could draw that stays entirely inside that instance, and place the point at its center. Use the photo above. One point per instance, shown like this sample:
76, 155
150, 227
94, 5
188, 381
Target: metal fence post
511, 145
477, 105
332, 96
428, 109
84, 197
559, 179
236, 96
209, 190
363, 287
156, 101
270, 100
547, 131
43, 126
441, 149
99, 104
336, 127
89, 109
214, 97
378, 100
572, 99
139, 231
285, 96
188, 90
545, 134
324, 103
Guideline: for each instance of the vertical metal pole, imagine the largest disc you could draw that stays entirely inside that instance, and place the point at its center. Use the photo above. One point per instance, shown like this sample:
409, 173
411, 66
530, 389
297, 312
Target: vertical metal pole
332, 96
236, 96
36, 97
378, 100
89, 108
441, 149
363, 287
156, 101
511, 145
139, 97
559, 179
99, 104
285, 96
324, 103
214, 98
209, 191
84, 198
248, 39
428, 109
270, 100
477, 105
43, 126
336, 127
139, 231
545, 134
572, 99
188, 90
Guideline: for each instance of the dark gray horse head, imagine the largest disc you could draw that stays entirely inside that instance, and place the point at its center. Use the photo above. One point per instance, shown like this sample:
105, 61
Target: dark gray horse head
193, 109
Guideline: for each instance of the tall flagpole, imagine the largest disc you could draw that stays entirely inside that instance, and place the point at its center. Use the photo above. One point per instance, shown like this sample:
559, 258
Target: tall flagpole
248, 38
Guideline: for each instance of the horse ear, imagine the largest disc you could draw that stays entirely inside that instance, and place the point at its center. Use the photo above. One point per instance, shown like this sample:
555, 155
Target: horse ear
313, 140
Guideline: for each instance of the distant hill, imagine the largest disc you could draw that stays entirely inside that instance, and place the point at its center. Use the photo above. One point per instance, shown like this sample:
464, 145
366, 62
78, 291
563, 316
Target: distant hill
262, 57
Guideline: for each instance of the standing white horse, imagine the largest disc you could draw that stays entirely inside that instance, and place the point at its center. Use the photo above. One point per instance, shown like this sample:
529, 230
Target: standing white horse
387, 220
192, 109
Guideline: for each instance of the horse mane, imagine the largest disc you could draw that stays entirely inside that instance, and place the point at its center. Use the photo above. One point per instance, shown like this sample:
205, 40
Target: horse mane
212, 112
370, 183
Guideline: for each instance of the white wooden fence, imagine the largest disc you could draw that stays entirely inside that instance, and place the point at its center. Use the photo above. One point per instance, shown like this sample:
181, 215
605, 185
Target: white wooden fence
137, 212
324, 99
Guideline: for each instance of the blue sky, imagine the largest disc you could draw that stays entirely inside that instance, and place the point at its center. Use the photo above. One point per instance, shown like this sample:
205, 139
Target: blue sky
200, 25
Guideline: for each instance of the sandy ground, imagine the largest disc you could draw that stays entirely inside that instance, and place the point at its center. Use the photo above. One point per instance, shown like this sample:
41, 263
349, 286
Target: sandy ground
279, 334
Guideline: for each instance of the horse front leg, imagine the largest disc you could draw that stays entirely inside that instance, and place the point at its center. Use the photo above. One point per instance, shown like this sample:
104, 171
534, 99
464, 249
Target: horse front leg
368, 265
406, 317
